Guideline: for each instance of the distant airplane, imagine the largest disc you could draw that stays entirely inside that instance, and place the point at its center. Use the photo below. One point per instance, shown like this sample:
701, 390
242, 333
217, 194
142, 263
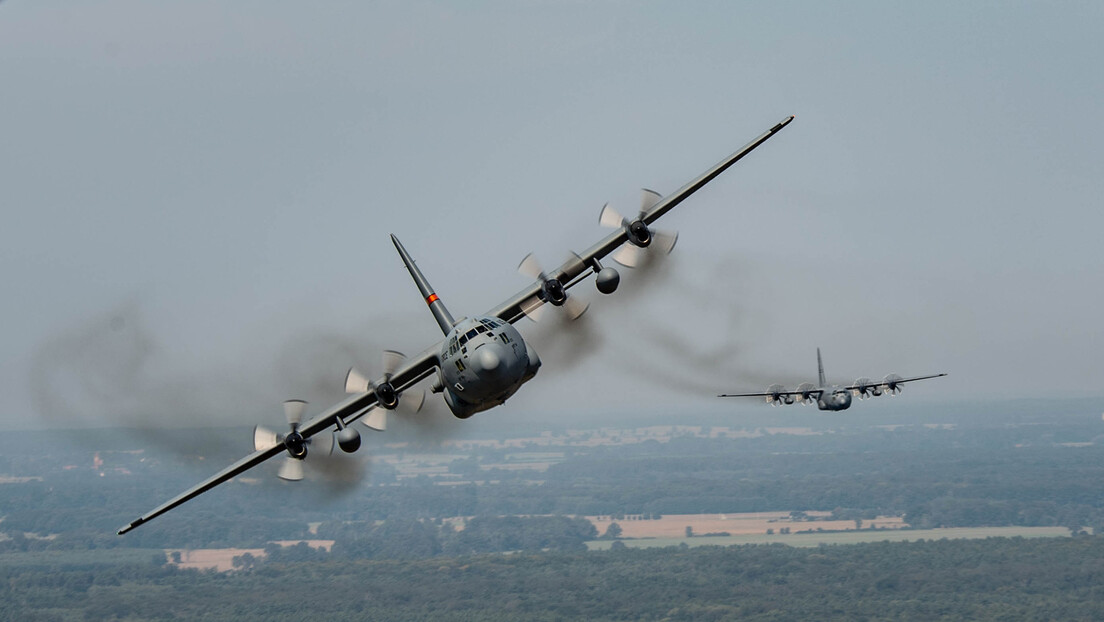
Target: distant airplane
481, 361
833, 397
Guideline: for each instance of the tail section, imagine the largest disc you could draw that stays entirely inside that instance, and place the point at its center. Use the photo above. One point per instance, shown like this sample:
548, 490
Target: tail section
820, 370
440, 313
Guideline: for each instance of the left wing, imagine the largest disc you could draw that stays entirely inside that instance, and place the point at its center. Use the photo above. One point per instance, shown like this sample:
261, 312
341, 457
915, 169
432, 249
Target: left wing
348, 411
776, 394
575, 269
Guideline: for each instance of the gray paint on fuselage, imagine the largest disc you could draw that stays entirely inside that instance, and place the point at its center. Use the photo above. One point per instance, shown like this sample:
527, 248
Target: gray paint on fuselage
834, 398
484, 361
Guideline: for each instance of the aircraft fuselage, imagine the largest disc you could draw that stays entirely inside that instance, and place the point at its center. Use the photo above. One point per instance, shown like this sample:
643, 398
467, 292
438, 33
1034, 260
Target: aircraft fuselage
834, 398
484, 361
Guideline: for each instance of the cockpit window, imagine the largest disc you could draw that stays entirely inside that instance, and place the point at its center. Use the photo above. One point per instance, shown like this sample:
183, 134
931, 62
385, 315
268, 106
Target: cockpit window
471, 334
463, 339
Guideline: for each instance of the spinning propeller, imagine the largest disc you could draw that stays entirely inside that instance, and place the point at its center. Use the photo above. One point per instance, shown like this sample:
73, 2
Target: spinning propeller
865, 387
552, 291
265, 439
892, 384
386, 395
631, 254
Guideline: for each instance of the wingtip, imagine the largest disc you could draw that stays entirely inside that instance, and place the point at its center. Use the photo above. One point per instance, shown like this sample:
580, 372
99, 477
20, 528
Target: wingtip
127, 528
783, 123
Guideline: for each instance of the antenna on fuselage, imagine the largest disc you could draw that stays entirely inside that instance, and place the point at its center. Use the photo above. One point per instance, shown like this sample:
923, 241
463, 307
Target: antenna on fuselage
820, 370
440, 313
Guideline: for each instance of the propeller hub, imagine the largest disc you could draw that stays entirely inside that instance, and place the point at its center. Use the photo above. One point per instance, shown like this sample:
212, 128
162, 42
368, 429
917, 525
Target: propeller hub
386, 395
296, 444
554, 292
639, 234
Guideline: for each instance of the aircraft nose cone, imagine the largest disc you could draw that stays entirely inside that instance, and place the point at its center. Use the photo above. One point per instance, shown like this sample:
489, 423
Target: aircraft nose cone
488, 358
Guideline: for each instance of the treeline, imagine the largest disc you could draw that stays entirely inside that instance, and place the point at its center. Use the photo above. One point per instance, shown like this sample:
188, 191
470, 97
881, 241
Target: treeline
993, 579
391, 539
1006, 476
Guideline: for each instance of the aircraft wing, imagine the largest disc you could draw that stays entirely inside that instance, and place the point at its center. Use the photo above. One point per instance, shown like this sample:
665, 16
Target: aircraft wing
811, 392
888, 380
576, 268
350, 410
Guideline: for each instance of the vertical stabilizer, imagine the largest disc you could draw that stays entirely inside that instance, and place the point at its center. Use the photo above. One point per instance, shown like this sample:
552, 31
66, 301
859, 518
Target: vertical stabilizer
440, 313
820, 370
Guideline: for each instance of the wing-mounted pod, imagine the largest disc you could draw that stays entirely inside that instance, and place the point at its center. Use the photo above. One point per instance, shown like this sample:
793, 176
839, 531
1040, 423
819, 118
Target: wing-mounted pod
552, 291
387, 398
640, 236
805, 392
292, 468
865, 387
892, 384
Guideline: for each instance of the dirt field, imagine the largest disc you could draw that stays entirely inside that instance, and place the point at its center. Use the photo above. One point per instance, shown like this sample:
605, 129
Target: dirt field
674, 525
223, 559
814, 539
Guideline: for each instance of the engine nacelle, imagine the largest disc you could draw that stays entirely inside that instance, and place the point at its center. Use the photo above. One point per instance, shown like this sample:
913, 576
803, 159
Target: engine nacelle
805, 390
775, 397
864, 388
892, 384
639, 234
296, 445
553, 292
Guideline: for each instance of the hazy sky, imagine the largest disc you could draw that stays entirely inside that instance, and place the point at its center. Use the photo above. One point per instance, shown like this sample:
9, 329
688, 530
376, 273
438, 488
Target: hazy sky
197, 197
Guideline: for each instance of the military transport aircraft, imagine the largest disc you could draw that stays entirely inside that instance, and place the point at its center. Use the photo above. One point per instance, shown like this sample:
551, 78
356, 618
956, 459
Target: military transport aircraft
482, 360
833, 397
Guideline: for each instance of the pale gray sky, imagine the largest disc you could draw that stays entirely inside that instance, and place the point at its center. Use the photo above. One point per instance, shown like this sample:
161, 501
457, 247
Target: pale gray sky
197, 196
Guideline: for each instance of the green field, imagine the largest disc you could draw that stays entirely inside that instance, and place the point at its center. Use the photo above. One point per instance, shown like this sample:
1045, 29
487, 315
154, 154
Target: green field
846, 537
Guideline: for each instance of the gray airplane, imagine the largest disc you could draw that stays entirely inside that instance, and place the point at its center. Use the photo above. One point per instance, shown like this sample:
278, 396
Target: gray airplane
834, 397
482, 360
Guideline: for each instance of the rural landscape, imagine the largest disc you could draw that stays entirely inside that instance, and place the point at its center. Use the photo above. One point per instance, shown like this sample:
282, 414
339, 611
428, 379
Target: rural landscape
715, 520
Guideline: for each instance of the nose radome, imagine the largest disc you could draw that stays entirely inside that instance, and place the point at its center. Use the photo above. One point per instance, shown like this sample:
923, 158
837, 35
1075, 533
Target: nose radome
489, 357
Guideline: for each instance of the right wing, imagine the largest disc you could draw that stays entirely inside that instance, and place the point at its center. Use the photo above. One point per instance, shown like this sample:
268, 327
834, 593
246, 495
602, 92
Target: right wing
349, 411
889, 382
576, 268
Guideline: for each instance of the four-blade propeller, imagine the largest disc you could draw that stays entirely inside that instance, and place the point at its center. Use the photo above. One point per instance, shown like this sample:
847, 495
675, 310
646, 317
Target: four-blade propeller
265, 439
641, 237
552, 291
387, 397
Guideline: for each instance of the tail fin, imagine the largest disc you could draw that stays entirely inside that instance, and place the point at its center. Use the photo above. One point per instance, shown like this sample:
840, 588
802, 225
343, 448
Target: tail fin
440, 313
820, 370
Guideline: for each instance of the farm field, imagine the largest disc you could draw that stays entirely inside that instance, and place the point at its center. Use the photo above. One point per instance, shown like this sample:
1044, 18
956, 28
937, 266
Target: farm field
814, 539
674, 525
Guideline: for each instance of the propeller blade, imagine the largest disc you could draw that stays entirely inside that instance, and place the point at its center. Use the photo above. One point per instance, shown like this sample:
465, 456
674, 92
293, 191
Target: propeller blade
356, 382
575, 307
264, 439
321, 443
664, 240
628, 255
391, 362
291, 470
293, 410
376, 419
648, 199
531, 268
412, 400
609, 217
533, 308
